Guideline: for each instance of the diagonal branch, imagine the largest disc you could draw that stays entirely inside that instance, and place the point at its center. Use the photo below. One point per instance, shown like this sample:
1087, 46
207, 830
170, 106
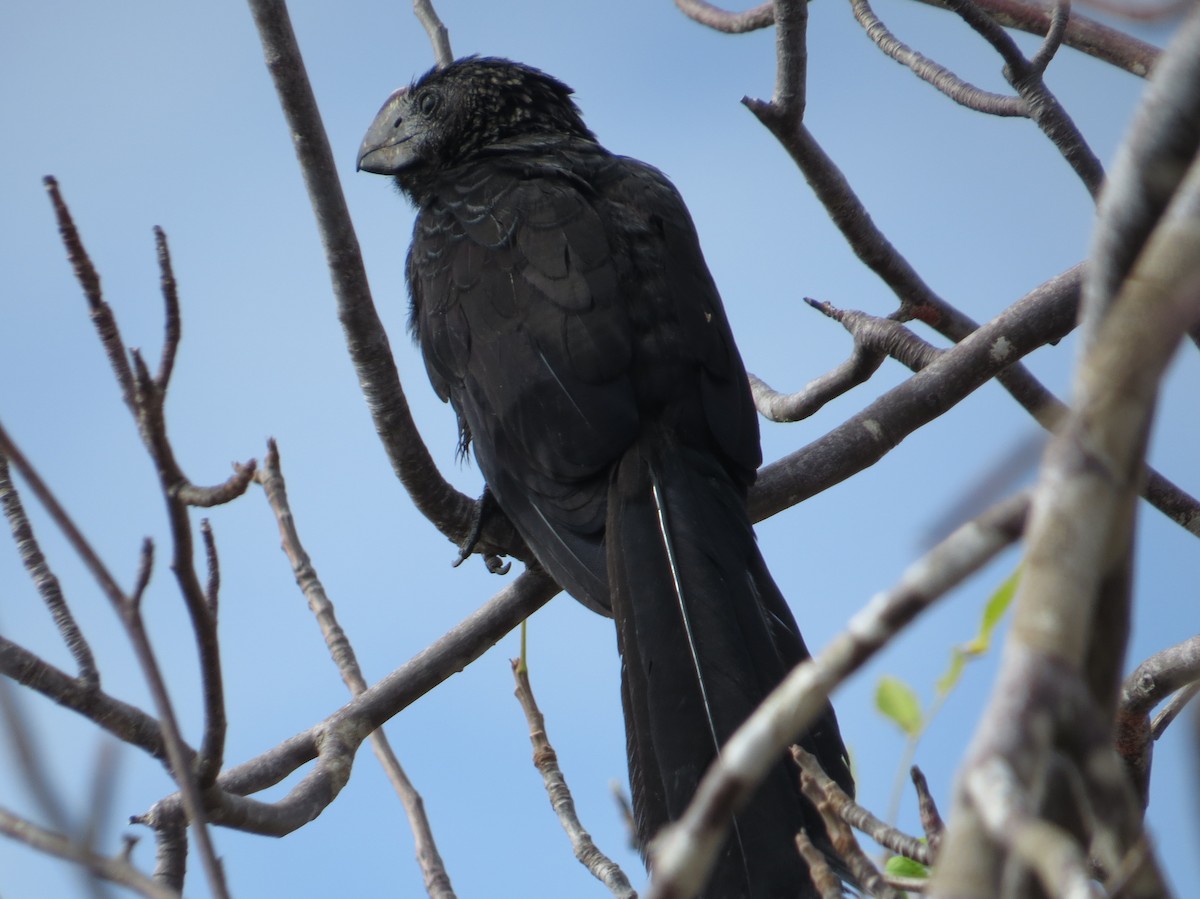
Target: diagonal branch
44, 579
450, 511
437, 881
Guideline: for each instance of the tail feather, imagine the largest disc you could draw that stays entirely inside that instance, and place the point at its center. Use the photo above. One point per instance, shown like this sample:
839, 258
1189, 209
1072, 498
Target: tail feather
704, 635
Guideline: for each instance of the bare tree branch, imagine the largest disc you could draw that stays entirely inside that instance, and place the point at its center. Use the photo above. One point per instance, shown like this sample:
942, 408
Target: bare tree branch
1048, 849
334, 741
832, 806
929, 393
44, 579
849, 811
438, 35
1175, 670
931, 819
828, 884
1041, 105
961, 92
116, 870
450, 511
946, 377
178, 753
545, 759
1083, 34
437, 881
761, 16
1071, 611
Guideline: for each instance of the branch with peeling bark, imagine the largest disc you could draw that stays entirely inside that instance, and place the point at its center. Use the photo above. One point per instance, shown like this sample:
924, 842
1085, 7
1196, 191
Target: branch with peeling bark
1072, 605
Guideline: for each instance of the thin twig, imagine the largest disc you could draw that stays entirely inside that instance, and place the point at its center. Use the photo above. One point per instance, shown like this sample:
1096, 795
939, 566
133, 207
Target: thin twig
178, 753
145, 396
125, 722
960, 91
992, 348
433, 869
828, 884
44, 579
115, 869
1176, 704
848, 810
1040, 317
1041, 105
89, 280
173, 321
931, 818
334, 741
1083, 34
545, 759
861, 869
875, 339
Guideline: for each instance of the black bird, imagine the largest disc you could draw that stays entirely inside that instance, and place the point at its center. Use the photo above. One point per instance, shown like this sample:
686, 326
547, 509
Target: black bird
565, 311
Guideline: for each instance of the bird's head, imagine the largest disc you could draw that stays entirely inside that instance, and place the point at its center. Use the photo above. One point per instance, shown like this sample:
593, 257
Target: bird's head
451, 115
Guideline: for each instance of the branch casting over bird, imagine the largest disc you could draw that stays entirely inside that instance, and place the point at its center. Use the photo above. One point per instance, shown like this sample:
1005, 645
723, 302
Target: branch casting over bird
565, 311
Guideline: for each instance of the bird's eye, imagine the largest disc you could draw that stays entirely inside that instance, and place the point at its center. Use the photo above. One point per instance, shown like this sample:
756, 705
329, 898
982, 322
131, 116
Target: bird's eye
398, 122
428, 103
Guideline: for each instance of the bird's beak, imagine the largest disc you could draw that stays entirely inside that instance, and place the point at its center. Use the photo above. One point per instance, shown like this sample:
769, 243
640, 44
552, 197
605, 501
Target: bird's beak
384, 150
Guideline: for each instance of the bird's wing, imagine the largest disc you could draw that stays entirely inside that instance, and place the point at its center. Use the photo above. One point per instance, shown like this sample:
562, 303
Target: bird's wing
564, 306
519, 313
690, 370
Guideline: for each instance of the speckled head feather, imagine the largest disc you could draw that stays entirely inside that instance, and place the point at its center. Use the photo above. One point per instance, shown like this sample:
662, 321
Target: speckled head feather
474, 108
494, 99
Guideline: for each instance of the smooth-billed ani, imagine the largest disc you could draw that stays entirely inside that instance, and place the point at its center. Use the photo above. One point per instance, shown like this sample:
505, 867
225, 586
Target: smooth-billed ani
565, 311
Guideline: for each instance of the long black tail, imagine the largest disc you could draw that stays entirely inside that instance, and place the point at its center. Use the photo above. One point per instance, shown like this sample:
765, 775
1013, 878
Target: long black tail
704, 635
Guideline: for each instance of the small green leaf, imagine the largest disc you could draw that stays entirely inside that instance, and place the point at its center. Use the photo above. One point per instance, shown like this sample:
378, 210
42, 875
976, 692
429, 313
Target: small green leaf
993, 612
897, 701
900, 866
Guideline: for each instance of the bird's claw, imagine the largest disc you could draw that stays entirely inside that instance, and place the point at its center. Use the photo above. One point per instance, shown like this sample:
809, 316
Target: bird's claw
484, 506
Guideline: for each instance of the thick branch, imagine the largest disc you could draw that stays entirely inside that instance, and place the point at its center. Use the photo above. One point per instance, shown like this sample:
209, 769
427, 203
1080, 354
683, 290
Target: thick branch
336, 739
449, 510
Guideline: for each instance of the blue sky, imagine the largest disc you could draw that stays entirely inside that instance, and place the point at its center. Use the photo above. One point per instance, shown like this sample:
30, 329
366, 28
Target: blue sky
163, 114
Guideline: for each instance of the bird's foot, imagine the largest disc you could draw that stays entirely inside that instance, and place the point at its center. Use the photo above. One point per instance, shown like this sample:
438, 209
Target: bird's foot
485, 507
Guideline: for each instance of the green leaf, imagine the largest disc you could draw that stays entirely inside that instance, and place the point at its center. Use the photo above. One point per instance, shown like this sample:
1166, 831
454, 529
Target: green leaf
900, 866
993, 612
896, 700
